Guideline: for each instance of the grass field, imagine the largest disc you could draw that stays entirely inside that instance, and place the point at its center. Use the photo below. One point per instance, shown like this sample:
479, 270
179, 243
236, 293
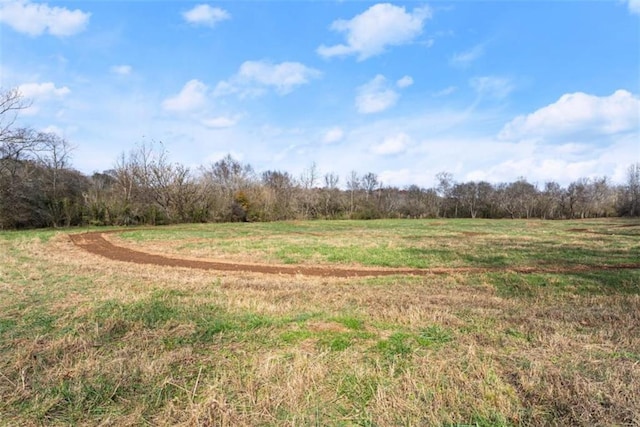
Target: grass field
85, 340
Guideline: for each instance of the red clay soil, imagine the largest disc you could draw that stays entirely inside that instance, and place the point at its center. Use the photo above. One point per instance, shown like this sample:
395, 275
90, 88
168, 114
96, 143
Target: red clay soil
95, 243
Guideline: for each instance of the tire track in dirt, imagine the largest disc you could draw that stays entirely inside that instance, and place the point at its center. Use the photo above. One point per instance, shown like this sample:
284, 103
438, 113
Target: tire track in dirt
95, 243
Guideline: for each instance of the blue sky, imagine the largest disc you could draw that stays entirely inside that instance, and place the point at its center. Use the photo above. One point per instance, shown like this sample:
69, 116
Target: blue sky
484, 90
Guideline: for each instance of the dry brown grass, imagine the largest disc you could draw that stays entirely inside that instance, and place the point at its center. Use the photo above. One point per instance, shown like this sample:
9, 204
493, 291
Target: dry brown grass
85, 340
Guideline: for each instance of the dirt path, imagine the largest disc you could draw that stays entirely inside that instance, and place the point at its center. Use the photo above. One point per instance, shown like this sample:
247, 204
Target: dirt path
95, 243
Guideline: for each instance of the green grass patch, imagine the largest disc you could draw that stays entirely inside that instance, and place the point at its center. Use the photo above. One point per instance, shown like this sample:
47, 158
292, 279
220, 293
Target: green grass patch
409, 244
433, 335
606, 282
350, 322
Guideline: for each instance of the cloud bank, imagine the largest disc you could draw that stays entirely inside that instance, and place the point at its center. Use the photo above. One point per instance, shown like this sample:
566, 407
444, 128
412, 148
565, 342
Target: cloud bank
576, 114
35, 19
254, 77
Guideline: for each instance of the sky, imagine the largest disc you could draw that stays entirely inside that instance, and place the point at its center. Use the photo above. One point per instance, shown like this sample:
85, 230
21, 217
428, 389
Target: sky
484, 90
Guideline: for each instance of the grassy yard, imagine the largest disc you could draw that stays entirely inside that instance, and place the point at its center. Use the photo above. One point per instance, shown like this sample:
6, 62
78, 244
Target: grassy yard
85, 340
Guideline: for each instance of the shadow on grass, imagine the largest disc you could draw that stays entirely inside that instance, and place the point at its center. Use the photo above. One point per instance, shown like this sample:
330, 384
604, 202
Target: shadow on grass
611, 282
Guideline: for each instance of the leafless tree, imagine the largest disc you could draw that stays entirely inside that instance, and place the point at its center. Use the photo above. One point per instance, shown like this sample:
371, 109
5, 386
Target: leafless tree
353, 185
629, 195
54, 154
444, 188
225, 180
279, 196
309, 176
331, 180
11, 103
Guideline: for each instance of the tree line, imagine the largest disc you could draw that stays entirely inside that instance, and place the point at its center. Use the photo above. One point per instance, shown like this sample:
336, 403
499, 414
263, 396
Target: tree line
40, 188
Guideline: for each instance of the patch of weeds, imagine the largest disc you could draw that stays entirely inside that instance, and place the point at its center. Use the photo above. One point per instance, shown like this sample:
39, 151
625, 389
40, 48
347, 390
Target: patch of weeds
433, 335
522, 363
513, 285
487, 259
209, 327
350, 322
357, 389
72, 399
605, 282
39, 322
43, 235
112, 330
385, 281
152, 313
430, 257
108, 309
7, 326
398, 344
626, 355
292, 337
302, 317
170, 293
401, 344
110, 321
515, 333
254, 321
336, 342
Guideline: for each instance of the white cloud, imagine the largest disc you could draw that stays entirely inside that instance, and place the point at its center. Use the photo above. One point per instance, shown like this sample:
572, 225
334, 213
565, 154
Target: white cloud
254, 76
371, 32
404, 82
42, 90
333, 135
397, 178
39, 93
53, 129
491, 86
35, 19
393, 145
203, 14
578, 114
375, 96
221, 122
191, 97
537, 169
464, 59
444, 92
121, 70
634, 7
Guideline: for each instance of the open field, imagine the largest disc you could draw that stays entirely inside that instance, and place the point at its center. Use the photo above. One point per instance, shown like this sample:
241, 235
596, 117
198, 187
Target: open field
509, 323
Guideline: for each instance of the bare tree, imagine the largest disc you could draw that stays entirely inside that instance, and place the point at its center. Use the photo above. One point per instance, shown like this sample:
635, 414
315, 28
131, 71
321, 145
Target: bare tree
17, 165
54, 153
331, 180
466, 194
419, 203
11, 102
518, 199
353, 185
370, 183
99, 196
444, 189
629, 194
309, 177
331, 195
308, 196
225, 181
550, 200
279, 196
